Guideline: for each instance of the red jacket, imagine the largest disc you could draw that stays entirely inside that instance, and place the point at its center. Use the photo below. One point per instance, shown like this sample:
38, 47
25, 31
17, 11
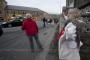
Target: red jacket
30, 27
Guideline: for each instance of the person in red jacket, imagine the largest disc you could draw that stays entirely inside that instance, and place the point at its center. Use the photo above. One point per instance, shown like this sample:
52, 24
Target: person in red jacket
31, 29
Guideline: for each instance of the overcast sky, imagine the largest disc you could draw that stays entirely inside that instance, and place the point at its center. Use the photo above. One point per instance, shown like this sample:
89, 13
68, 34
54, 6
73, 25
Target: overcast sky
50, 6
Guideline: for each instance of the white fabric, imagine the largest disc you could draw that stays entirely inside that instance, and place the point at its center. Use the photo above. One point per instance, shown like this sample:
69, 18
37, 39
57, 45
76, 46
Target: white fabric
70, 31
66, 17
68, 48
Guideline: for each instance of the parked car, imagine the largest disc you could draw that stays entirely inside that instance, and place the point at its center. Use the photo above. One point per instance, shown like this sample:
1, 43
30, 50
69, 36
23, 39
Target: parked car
2, 22
14, 23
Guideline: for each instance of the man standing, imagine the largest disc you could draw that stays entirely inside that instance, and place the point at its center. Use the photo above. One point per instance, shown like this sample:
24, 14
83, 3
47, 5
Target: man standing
31, 29
63, 18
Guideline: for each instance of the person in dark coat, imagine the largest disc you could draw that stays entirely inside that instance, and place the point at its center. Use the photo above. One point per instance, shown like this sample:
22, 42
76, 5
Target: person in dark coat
31, 29
44, 22
1, 31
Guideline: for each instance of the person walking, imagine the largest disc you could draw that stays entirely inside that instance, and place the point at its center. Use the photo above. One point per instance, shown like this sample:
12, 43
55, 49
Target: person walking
69, 42
62, 22
31, 29
44, 22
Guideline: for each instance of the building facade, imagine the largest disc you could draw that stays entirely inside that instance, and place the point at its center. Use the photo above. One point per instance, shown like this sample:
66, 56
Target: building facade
70, 3
81, 4
7, 12
3, 4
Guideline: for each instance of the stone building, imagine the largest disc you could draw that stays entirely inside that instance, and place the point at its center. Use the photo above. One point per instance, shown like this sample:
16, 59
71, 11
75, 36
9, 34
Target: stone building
69, 3
9, 11
3, 4
81, 4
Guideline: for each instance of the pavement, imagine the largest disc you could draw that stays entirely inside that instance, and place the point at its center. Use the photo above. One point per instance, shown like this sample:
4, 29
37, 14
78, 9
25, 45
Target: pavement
12, 29
14, 44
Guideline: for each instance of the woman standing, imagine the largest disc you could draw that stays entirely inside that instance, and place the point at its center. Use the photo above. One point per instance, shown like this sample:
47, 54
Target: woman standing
69, 42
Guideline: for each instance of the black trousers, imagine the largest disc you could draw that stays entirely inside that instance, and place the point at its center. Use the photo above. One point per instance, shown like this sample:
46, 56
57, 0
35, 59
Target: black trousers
32, 43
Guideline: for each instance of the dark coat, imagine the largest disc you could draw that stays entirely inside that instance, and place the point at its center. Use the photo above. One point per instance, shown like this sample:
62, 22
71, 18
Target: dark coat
1, 31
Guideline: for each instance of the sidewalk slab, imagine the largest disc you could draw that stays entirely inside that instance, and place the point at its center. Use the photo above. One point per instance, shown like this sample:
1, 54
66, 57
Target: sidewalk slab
47, 37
